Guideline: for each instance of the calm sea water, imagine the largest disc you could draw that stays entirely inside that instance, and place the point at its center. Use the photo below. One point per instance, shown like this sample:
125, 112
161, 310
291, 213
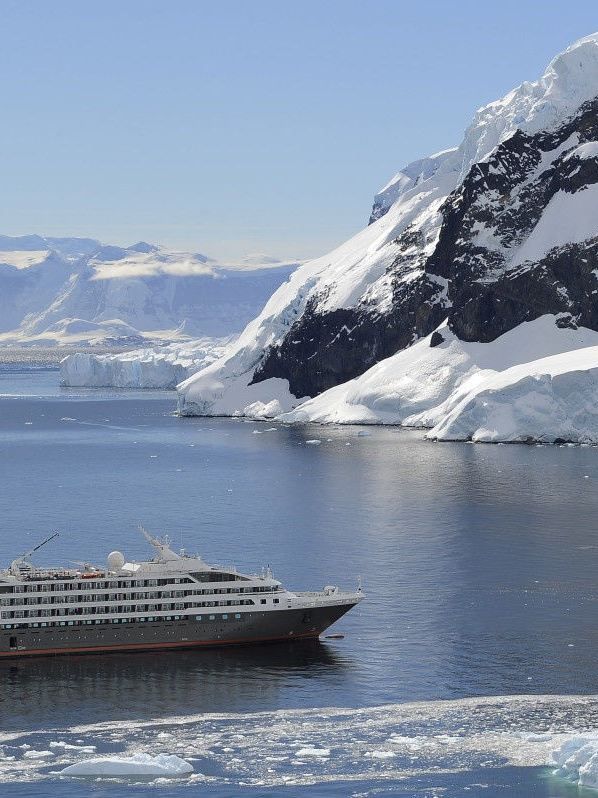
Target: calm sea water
479, 564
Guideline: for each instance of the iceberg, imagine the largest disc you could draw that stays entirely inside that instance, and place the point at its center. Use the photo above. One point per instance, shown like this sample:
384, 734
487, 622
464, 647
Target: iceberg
577, 760
318, 752
141, 368
162, 765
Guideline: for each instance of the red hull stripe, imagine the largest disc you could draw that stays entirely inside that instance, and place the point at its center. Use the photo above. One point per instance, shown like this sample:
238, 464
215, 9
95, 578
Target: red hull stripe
152, 646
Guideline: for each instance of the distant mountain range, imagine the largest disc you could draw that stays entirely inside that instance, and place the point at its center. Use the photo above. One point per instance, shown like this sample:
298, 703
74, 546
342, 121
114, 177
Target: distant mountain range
78, 291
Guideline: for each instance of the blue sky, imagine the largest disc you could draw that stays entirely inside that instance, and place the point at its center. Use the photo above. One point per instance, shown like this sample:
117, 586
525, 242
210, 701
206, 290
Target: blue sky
234, 127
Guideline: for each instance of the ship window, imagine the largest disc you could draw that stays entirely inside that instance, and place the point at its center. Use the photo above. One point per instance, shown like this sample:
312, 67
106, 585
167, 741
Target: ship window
262, 601
237, 615
277, 601
225, 617
198, 617
212, 617
216, 576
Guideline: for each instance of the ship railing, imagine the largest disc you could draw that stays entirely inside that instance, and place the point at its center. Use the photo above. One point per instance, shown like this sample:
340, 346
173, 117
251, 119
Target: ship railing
322, 594
37, 575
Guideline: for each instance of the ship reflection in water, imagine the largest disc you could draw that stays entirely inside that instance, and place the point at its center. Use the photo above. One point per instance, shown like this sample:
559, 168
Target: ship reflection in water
36, 692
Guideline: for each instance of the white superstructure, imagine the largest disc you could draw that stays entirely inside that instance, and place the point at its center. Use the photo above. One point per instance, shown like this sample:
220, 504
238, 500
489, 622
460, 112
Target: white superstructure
169, 588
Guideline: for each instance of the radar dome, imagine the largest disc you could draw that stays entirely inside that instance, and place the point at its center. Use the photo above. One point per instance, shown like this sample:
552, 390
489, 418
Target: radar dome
116, 560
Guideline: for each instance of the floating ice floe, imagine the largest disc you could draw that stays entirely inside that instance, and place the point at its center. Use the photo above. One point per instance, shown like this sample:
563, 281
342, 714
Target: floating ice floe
322, 752
166, 765
86, 749
38, 754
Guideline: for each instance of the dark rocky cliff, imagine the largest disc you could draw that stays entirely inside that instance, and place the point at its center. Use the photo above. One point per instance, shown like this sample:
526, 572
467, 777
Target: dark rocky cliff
469, 276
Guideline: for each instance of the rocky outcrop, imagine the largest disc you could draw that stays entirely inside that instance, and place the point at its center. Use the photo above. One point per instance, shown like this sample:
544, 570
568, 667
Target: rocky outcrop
488, 220
322, 350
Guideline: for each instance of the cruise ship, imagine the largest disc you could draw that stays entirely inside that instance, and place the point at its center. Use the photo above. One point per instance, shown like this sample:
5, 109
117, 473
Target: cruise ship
169, 602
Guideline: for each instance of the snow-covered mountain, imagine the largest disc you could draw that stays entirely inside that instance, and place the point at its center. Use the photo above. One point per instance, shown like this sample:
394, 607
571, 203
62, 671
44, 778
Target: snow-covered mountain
490, 244
61, 291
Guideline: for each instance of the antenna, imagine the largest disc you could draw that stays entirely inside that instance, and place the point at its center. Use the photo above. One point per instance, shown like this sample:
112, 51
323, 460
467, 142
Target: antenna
146, 534
39, 545
165, 553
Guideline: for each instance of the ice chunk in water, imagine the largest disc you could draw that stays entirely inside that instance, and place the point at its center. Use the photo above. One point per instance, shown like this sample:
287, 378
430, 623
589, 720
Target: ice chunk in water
577, 759
135, 765
313, 752
38, 754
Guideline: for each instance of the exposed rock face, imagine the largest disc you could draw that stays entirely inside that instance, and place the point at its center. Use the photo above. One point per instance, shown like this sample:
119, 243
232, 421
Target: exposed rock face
493, 287
484, 289
322, 350
499, 231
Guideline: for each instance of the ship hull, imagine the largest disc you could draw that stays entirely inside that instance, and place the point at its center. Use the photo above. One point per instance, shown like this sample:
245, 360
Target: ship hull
224, 630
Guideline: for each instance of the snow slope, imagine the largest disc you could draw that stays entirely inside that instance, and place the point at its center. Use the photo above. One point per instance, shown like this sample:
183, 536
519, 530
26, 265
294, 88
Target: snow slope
418, 385
548, 400
343, 312
536, 382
